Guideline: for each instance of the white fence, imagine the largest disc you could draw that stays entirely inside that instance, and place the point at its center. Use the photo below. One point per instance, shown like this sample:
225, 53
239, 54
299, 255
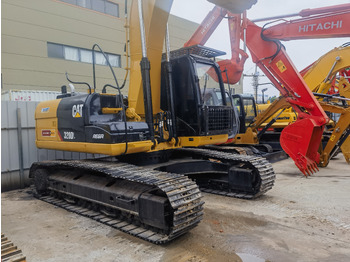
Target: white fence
28, 95
18, 150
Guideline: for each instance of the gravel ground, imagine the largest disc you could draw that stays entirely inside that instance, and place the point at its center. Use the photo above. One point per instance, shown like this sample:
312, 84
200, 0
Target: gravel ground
300, 219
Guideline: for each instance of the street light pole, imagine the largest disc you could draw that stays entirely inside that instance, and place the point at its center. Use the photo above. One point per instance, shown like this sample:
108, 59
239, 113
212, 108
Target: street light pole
256, 82
263, 98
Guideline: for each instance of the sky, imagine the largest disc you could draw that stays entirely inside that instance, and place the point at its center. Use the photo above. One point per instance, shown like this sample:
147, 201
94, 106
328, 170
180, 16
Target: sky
301, 52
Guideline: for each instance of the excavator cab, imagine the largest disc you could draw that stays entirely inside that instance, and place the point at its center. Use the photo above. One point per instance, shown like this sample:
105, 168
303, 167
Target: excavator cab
196, 111
247, 110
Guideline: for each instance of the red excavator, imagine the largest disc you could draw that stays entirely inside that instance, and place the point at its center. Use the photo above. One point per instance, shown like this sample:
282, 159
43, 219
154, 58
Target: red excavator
301, 139
322, 22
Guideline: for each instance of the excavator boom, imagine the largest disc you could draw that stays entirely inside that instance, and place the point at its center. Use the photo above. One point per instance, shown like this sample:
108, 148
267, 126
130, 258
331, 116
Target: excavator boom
340, 136
155, 21
320, 23
319, 77
232, 69
301, 139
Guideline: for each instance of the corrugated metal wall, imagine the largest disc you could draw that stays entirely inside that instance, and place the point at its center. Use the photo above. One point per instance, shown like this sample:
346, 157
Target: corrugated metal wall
28, 95
12, 150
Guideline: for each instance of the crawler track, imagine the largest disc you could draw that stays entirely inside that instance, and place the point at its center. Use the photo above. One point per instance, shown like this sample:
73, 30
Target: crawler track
259, 165
183, 195
231, 149
10, 252
185, 207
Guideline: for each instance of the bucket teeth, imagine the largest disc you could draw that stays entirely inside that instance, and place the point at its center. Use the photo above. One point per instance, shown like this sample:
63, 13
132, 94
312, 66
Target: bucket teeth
308, 173
316, 167
313, 167
308, 167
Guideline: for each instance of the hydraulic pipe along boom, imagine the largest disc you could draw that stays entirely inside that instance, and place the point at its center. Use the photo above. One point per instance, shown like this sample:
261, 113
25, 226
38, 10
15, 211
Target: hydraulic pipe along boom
146, 79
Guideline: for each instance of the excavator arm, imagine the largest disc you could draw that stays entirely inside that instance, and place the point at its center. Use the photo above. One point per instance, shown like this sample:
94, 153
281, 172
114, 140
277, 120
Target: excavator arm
340, 135
319, 76
301, 139
278, 104
329, 65
231, 69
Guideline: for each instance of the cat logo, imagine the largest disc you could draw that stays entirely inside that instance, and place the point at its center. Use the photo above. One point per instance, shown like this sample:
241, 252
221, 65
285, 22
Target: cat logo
77, 110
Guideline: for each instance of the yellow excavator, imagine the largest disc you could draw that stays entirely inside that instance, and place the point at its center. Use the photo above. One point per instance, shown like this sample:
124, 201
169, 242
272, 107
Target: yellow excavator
146, 189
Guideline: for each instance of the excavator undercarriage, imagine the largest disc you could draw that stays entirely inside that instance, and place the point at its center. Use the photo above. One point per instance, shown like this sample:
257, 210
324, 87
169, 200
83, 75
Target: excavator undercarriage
156, 202
152, 205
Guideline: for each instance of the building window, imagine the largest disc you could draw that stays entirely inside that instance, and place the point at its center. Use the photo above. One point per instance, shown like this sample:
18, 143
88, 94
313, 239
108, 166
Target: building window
80, 54
102, 6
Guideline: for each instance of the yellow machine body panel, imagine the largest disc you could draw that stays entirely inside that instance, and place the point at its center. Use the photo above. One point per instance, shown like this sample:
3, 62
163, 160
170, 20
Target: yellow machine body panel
49, 137
195, 141
94, 148
46, 122
341, 126
330, 63
249, 137
285, 118
345, 148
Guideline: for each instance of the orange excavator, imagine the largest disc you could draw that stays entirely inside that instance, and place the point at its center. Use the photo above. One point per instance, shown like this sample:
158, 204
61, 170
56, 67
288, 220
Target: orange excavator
281, 75
326, 75
323, 77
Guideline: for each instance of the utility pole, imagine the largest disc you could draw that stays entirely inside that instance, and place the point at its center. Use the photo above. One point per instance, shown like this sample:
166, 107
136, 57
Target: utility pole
263, 98
255, 82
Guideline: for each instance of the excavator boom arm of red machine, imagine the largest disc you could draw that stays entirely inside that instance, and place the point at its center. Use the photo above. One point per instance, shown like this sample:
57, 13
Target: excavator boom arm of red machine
316, 23
301, 139
232, 69
207, 27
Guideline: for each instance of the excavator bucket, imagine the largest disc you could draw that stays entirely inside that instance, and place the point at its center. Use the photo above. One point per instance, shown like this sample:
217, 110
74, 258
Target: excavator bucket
301, 141
232, 69
234, 6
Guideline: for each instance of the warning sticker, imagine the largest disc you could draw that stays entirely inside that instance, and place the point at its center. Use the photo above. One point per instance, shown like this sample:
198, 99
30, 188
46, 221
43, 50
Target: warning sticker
48, 132
281, 66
